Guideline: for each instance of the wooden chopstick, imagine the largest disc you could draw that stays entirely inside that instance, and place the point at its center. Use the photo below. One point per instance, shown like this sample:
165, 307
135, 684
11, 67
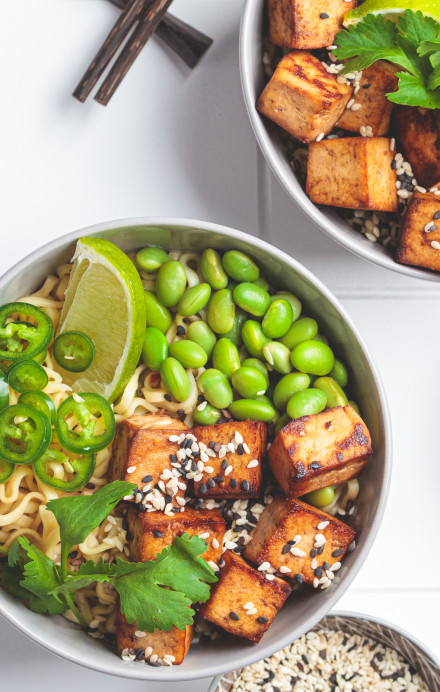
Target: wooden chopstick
147, 24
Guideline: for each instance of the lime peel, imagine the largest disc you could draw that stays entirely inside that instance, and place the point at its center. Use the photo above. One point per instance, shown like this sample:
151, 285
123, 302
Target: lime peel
391, 7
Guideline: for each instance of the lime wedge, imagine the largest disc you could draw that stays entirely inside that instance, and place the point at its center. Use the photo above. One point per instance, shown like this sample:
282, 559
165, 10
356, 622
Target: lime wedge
104, 301
391, 9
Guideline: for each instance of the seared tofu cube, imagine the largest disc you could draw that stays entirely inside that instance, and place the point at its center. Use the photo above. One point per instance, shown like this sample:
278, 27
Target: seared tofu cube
172, 644
241, 585
233, 471
354, 173
376, 82
306, 23
418, 246
313, 452
299, 541
303, 98
418, 131
151, 532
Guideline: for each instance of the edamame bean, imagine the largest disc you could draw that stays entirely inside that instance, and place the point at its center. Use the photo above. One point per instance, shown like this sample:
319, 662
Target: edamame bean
354, 405
252, 298
212, 269
307, 402
157, 314
262, 282
203, 335
254, 338
215, 387
205, 414
225, 357
249, 382
339, 373
234, 334
293, 300
150, 259
221, 311
239, 266
252, 409
155, 348
320, 498
282, 422
170, 283
333, 391
288, 386
194, 300
304, 329
265, 399
188, 353
278, 356
313, 357
257, 365
278, 318
174, 379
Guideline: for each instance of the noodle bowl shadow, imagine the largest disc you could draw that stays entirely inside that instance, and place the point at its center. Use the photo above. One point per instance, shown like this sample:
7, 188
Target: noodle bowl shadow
305, 608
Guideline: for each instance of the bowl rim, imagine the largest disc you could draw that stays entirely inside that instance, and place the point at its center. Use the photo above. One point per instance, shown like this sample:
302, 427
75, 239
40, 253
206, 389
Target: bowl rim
367, 252
163, 674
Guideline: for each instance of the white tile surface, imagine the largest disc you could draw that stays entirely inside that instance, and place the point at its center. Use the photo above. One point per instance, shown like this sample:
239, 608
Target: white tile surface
176, 142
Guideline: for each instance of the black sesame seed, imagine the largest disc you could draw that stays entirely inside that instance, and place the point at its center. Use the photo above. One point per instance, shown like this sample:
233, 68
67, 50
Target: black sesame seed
168, 499
436, 215
240, 449
211, 445
337, 553
321, 549
298, 578
167, 397
245, 485
340, 456
219, 479
211, 483
148, 479
140, 654
300, 470
323, 15
262, 620
286, 549
156, 664
318, 571
180, 412
200, 398
217, 447
181, 330
73, 554
224, 464
196, 454
314, 552
90, 486
193, 466
393, 162
156, 487
433, 228
233, 615
366, 86
129, 536
315, 465
326, 565
291, 542
158, 534
203, 488
239, 549
352, 547
328, 424
401, 207
233, 483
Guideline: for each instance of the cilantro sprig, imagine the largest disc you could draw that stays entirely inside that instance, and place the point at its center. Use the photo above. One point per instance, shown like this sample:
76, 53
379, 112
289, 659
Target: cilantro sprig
156, 594
413, 43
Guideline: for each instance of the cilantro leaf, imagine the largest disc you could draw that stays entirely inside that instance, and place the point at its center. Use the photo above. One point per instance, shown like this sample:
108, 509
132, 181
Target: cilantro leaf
10, 577
40, 578
417, 27
412, 92
428, 47
87, 573
13, 552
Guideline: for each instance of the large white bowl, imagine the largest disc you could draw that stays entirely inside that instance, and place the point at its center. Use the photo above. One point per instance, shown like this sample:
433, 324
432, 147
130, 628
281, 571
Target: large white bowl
304, 610
253, 81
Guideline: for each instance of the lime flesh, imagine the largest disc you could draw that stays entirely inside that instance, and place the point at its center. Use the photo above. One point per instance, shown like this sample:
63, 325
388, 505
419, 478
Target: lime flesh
390, 8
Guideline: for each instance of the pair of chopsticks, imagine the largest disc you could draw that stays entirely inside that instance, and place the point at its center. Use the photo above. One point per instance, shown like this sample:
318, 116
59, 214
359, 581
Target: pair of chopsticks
142, 18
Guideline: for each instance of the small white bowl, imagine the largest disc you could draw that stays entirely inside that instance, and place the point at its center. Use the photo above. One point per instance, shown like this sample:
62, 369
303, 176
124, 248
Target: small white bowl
253, 81
303, 612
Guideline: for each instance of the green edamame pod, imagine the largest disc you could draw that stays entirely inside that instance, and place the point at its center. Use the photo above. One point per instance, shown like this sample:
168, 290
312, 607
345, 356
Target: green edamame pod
258, 365
307, 402
282, 422
303, 330
188, 353
203, 335
293, 300
194, 299
288, 386
157, 314
261, 281
234, 334
354, 405
333, 391
205, 414
212, 269
243, 409
339, 373
249, 382
150, 259
221, 311
170, 283
313, 357
239, 266
254, 338
252, 298
225, 357
174, 379
155, 348
278, 356
278, 318
215, 387
320, 498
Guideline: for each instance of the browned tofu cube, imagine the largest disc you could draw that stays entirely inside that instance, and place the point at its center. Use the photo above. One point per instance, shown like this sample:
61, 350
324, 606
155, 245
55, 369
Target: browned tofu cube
353, 172
151, 532
303, 98
234, 472
241, 585
313, 452
418, 131
418, 246
306, 23
155, 647
376, 82
299, 541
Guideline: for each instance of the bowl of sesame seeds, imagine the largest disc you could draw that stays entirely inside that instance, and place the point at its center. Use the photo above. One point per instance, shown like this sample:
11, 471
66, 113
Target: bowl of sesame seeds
376, 236
345, 651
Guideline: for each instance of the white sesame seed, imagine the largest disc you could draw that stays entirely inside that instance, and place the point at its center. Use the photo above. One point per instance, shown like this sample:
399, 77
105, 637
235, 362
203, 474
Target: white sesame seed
228, 470
208, 469
322, 525
252, 464
201, 406
230, 545
270, 577
131, 469
392, 144
204, 457
169, 657
297, 538
297, 552
139, 633
238, 437
253, 611
356, 106
318, 139
248, 605
284, 569
264, 566
204, 535
153, 658
335, 567
435, 244
350, 103
148, 651
314, 563
428, 226
173, 438
315, 583
246, 448
215, 543
213, 566
181, 501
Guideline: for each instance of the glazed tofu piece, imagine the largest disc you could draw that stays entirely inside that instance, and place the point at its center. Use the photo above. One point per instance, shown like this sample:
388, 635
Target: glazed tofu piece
419, 242
151, 532
152, 647
303, 98
241, 585
235, 469
418, 131
376, 82
299, 541
306, 23
313, 452
353, 173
